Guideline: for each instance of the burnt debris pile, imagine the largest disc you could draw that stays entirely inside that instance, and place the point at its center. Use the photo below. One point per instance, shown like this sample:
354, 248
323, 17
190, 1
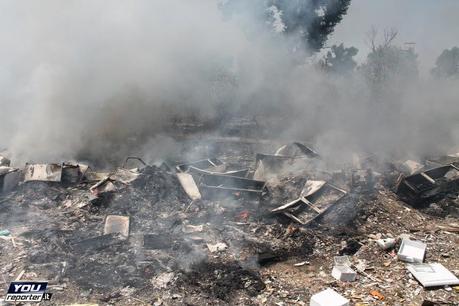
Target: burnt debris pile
261, 223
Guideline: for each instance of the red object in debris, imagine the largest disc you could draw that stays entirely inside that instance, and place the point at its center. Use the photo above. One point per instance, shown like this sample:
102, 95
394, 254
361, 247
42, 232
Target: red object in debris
243, 215
377, 294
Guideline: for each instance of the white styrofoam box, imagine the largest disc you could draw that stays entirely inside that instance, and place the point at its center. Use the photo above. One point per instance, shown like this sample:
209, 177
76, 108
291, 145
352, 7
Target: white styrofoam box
412, 251
432, 275
328, 297
344, 273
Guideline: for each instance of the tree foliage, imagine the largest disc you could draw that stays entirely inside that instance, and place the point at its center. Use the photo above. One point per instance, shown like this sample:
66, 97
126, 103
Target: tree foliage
387, 61
447, 64
312, 20
339, 59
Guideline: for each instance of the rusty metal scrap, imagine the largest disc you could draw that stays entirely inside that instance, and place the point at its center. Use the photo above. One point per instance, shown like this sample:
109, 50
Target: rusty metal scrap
428, 184
315, 199
240, 173
296, 149
216, 185
213, 164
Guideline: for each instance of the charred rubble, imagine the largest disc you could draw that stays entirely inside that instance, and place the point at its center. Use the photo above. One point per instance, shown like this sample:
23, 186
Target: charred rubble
260, 224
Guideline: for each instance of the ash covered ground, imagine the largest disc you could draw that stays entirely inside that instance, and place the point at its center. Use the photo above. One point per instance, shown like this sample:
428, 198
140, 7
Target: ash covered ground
227, 248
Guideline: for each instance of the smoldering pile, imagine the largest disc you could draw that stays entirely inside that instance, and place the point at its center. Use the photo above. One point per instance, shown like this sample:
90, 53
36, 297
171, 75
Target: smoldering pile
196, 231
152, 229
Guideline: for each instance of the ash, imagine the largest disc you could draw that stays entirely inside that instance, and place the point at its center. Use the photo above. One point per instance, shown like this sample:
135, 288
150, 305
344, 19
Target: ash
232, 245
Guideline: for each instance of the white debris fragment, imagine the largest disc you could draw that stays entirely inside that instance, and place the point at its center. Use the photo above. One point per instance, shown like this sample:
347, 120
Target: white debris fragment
189, 185
342, 270
432, 275
43, 172
361, 265
410, 167
328, 297
299, 264
386, 244
125, 176
117, 224
311, 187
161, 281
188, 228
103, 186
218, 247
344, 273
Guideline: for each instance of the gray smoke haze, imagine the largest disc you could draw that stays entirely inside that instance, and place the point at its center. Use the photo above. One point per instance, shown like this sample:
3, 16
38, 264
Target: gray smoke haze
87, 79
82, 75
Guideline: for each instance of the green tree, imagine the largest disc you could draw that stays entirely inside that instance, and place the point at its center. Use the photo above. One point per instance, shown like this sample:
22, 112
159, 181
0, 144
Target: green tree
447, 64
339, 59
387, 61
312, 20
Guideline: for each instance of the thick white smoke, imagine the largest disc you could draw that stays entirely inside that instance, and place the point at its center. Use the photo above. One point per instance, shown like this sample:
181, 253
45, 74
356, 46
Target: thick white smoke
89, 79
79, 74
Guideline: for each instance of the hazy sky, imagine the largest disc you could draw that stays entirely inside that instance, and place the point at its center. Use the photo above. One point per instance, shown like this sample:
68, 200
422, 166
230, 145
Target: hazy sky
432, 24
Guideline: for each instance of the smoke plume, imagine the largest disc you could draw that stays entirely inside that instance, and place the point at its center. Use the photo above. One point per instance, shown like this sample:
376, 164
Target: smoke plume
91, 79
